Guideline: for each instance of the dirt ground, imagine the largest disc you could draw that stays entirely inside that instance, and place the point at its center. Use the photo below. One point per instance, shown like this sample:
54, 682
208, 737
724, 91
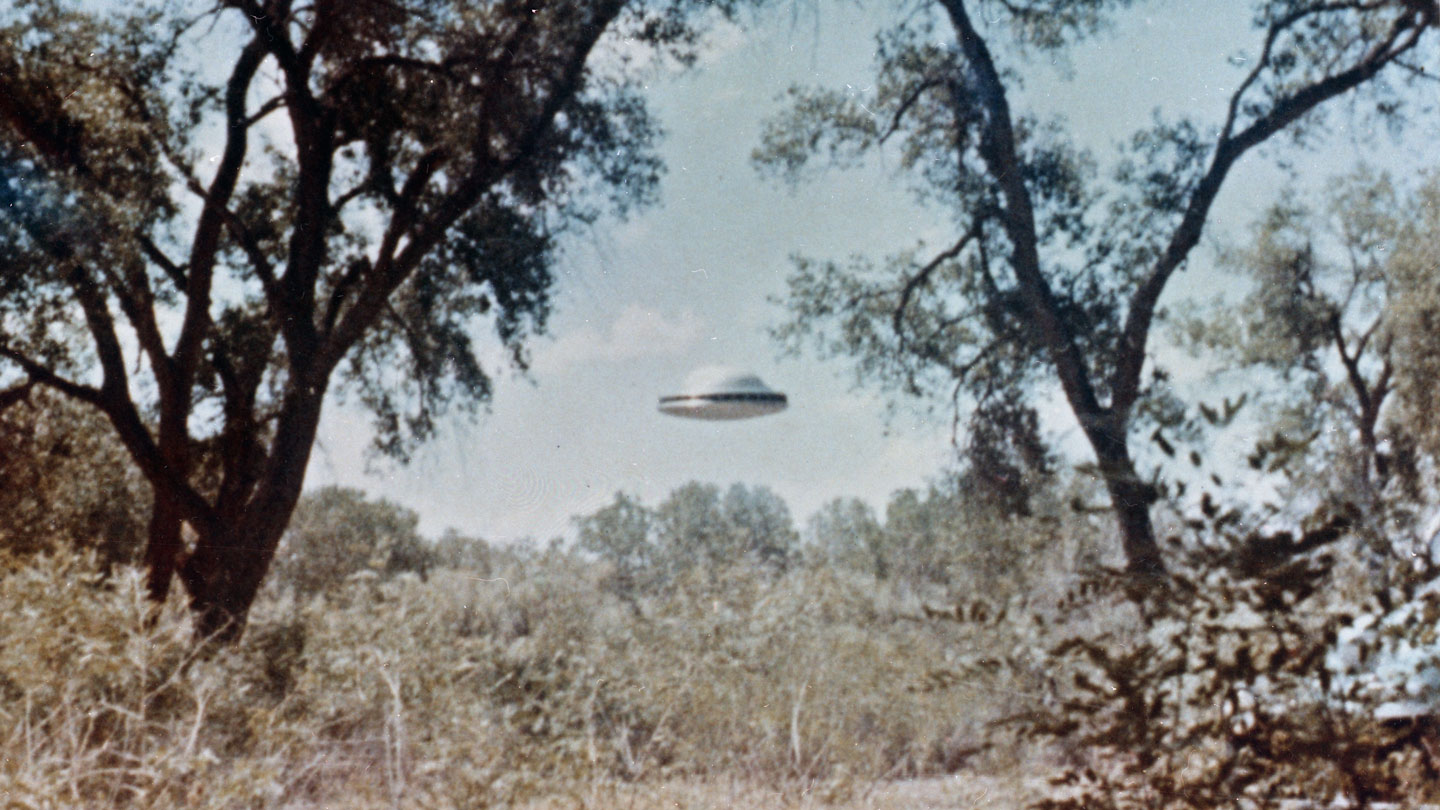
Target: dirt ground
950, 793
962, 792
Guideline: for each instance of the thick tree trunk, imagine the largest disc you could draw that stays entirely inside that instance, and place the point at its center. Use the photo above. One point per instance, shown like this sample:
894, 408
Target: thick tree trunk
163, 546
1130, 497
230, 560
225, 573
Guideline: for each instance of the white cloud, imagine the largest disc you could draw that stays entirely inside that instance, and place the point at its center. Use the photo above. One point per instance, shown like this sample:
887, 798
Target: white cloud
636, 332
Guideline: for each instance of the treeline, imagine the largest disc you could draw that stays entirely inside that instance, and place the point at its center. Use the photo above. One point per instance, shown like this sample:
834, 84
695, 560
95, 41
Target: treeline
69, 485
939, 542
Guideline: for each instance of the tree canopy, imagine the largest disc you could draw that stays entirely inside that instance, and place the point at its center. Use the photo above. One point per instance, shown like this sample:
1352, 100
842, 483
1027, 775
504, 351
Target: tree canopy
213, 214
66, 482
696, 528
1057, 267
337, 532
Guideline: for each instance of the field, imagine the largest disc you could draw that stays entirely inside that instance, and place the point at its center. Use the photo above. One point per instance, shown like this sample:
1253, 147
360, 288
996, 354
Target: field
530, 687
545, 680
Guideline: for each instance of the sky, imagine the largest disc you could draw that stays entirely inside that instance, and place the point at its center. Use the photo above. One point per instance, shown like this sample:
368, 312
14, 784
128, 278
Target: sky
692, 282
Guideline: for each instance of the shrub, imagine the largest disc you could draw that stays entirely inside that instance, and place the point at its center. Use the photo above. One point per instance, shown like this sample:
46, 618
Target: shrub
1226, 690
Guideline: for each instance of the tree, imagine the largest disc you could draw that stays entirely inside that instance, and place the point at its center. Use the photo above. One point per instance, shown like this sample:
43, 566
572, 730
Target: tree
210, 215
760, 526
1343, 304
846, 533
954, 536
461, 553
620, 534
697, 527
1053, 275
336, 532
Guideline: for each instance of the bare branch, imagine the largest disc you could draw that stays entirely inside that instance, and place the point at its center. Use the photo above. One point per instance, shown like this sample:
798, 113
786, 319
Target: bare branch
205, 247
43, 375
15, 394
1418, 71
342, 288
923, 276
1125, 382
156, 255
137, 301
906, 103
265, 109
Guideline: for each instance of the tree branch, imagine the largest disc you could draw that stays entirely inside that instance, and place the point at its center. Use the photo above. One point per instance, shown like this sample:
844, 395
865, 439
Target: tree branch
165, 263
390, 272
265, 109
15, 394
206, 244
923, 276
137, 301
1125, 382
43, 375
910, 100
1352, 367
999, 151
1272, 34
241, 233
121, 412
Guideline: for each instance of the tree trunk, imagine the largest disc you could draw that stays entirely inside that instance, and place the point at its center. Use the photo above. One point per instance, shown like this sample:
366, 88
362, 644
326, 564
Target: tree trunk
1130, 497
163, 546
224, 573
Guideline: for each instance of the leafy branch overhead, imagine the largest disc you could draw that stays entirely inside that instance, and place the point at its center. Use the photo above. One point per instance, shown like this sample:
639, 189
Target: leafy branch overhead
1057, 267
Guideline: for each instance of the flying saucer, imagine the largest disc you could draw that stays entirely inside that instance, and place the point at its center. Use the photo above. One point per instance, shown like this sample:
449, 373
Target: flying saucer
718, 393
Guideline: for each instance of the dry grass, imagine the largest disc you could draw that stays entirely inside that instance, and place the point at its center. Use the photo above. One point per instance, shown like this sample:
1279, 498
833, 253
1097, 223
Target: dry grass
534, 687
530, 686
946, 793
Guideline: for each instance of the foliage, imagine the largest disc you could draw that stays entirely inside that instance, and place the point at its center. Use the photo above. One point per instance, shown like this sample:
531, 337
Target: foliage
461, 553
845, 533
695, 528
621, 535
460, 691
336, 532
1230, 689
65, 480
701, 528
1339, 310
1055, 269
209, 217
951, 540
1256, 677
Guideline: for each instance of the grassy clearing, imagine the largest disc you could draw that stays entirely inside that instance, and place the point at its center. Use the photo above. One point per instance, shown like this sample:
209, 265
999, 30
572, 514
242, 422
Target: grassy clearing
528, 687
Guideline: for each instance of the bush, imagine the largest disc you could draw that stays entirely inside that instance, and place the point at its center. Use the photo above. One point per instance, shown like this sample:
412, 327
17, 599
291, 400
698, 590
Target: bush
65, 480
1225, 692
